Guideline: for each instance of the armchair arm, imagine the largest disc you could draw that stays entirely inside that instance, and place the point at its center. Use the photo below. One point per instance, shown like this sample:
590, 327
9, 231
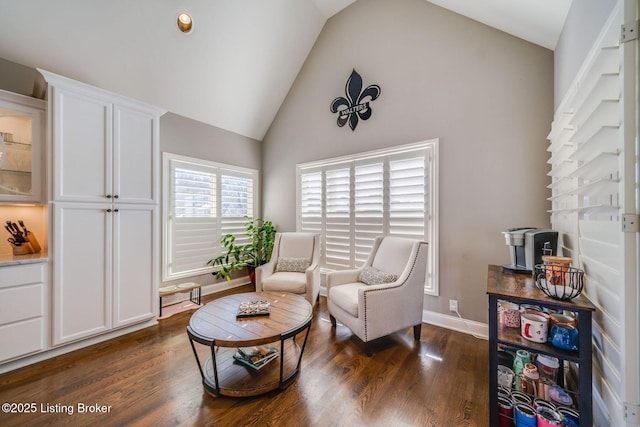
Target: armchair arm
263, 272
313, 273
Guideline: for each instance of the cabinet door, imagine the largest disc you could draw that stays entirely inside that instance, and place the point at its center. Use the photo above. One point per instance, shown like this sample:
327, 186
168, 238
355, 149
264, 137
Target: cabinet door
135, 145
134, 266
21, 148
81, 270
81, 146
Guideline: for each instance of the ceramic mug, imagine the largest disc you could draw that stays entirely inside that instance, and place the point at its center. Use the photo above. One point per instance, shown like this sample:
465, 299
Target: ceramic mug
509, 314
564, 336
562, 318
534, 327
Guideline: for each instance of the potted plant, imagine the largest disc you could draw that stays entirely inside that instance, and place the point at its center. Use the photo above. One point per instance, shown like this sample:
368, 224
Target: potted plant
256, 252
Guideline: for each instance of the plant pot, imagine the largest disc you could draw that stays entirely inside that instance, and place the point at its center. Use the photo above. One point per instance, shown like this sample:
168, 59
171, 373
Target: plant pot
252, 274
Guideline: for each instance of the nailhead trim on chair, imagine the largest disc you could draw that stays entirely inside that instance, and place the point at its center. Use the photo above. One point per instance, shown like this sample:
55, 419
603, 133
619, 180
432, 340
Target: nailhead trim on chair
366, 335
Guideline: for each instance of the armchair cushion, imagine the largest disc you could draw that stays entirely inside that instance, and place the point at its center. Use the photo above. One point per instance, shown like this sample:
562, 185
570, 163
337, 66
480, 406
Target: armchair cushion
346, 297
372, 276
286, 281
298, 265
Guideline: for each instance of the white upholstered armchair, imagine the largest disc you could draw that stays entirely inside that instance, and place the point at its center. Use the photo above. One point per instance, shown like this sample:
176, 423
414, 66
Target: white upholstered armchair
294, 266
386, 294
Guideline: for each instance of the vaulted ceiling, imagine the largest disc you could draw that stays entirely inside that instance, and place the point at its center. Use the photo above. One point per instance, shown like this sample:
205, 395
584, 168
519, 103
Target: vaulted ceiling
233, 70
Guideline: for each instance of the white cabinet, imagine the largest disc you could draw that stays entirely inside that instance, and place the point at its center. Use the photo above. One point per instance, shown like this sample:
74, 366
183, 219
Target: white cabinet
23, 310
104, 270
104, 146
21, 148
104, 198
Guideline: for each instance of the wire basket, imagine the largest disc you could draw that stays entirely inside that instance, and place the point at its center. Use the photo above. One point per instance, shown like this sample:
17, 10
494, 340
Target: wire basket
559, 281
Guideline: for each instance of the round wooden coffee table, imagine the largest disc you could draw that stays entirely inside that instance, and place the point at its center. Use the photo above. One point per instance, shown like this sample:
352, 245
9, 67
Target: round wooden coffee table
217, 326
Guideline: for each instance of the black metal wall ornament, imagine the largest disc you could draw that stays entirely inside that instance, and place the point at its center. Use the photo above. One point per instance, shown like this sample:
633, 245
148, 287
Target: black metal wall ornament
356, 104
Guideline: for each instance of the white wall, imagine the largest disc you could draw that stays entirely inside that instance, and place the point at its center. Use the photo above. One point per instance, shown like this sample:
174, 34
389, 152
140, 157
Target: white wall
487, 95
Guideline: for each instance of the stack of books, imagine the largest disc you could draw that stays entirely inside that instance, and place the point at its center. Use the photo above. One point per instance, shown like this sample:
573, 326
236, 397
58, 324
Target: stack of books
256, 357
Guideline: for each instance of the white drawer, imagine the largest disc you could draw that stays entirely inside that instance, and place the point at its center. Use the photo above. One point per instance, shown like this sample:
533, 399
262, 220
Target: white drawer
21, 338
22, 274
21, 303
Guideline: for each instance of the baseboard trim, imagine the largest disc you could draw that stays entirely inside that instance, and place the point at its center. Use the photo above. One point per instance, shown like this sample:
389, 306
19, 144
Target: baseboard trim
471, 327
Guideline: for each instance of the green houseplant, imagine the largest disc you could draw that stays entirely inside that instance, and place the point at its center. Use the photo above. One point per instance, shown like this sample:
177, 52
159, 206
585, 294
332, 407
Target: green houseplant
256, 252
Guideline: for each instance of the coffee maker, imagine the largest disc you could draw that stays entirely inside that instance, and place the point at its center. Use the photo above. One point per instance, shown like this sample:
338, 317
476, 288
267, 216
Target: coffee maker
527, 245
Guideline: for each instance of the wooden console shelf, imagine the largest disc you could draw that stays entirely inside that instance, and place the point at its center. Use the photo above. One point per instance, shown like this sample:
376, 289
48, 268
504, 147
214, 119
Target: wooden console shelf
521, 289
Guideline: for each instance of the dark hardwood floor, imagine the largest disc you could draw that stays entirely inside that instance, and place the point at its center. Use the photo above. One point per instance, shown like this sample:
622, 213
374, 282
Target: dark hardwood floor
150, 378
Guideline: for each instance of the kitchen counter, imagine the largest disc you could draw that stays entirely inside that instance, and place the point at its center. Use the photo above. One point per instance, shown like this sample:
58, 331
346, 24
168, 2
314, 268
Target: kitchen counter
6, 260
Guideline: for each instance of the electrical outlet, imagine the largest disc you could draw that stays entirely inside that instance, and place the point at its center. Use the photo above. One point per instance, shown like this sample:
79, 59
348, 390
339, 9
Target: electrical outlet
453, 305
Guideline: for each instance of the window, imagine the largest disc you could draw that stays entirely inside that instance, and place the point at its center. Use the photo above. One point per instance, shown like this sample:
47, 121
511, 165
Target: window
350, 200
203, 201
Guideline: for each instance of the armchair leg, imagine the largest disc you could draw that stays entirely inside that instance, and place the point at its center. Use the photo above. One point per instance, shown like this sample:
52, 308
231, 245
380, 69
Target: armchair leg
367, 349
416, 332
333, 321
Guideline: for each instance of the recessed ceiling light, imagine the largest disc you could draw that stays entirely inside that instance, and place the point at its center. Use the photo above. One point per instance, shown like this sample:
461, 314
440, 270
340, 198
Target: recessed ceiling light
185, 23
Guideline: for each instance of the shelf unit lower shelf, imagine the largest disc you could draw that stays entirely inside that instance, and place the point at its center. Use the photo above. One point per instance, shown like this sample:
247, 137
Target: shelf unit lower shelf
521, 289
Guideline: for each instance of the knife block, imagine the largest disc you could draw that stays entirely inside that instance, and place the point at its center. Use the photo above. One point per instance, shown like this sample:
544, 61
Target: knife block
31, 246
33, 242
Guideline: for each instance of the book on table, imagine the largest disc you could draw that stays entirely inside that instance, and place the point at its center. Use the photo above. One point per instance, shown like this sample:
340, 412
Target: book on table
257, 356
253, 308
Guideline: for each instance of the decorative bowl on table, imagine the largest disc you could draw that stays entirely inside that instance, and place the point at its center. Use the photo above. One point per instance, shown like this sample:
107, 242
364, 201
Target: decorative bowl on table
560, 282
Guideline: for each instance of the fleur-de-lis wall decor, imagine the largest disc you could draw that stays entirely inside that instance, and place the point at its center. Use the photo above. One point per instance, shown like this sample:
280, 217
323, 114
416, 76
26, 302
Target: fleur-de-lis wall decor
356, 105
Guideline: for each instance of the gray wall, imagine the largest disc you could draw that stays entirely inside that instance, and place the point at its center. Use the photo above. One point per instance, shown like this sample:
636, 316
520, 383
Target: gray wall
584, 23
187, 137
488, 96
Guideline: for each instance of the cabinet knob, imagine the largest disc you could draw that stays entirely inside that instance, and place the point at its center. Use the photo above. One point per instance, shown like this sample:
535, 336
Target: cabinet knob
116, 196
115, 210
108, 196
108, 210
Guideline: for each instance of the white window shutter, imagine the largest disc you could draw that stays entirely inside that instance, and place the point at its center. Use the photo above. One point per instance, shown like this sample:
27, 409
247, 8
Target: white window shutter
204, 201
338, 218
407, 194
369, 208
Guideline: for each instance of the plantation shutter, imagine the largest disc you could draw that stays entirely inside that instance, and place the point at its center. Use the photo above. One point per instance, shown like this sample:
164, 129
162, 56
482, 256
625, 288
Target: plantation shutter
236, 200
194, 228
407, 195
337, 234
369, 214
311, 202
351, 200
204, 201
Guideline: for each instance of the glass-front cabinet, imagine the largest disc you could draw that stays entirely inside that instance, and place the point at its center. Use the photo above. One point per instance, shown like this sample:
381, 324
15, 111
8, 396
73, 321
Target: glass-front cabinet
21, 148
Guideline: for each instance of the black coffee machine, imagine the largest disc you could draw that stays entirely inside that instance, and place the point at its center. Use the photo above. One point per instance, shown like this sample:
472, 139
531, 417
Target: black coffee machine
527, 245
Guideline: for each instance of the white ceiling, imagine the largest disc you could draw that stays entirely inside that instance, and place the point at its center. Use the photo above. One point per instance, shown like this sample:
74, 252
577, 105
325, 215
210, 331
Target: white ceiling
233, 70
